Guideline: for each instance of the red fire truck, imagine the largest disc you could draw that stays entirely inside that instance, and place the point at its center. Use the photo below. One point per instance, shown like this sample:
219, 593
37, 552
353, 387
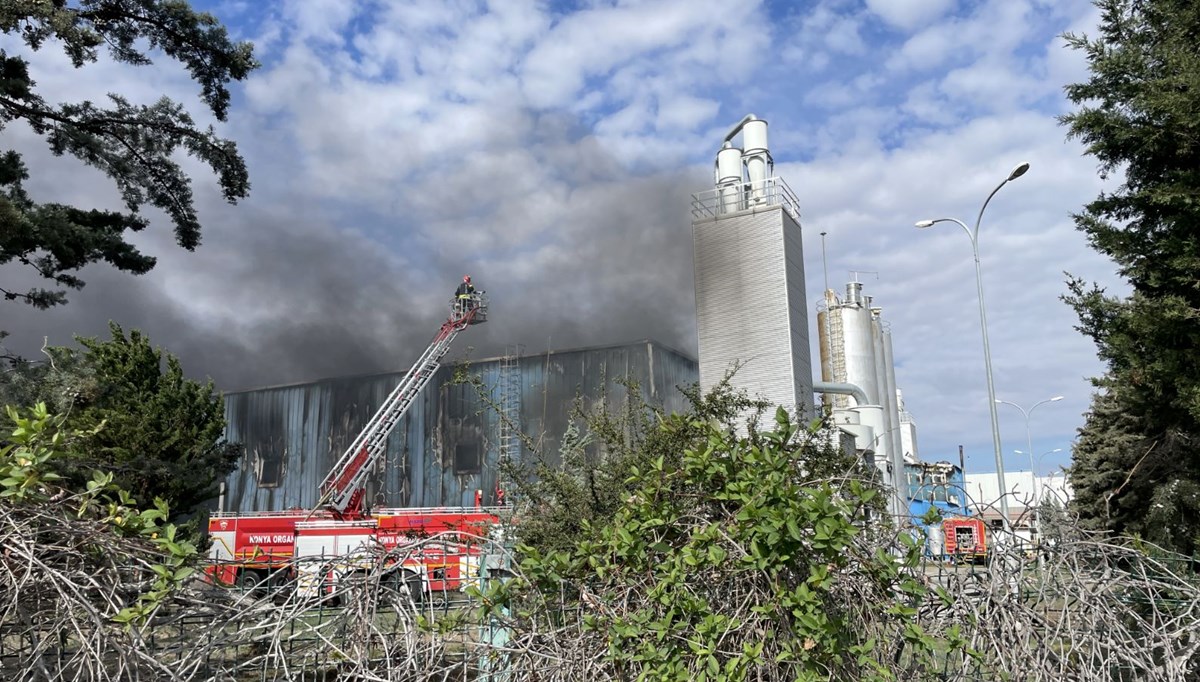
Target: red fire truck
437, 548
966, 539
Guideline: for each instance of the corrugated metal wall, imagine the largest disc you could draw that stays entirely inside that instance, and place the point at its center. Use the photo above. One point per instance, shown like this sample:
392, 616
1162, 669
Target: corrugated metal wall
751, 306
447, 445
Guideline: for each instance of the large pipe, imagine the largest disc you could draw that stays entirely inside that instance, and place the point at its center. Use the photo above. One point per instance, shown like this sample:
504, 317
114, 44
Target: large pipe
842, 388
737, 128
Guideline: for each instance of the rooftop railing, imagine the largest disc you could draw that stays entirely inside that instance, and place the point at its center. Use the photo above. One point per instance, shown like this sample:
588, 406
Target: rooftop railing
745, 196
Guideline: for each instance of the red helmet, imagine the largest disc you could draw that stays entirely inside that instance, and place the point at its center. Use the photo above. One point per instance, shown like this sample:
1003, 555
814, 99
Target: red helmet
467, 278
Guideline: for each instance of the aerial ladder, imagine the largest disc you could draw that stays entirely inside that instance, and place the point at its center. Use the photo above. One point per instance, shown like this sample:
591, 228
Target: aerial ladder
249, 547
343, 489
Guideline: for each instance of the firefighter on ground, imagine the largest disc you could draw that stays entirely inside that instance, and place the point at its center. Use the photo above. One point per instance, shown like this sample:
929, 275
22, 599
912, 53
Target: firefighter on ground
464, 295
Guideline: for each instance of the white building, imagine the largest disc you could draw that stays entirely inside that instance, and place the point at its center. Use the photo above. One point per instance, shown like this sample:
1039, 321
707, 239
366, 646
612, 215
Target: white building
1024, 491
751, 307
908, 431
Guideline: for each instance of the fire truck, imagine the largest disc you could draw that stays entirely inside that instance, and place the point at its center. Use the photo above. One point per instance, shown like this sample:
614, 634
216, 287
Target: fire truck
430, 549
966, 539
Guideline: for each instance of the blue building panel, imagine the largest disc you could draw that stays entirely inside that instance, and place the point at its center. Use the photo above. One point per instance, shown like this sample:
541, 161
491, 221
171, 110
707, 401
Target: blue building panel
447, 446
934, 485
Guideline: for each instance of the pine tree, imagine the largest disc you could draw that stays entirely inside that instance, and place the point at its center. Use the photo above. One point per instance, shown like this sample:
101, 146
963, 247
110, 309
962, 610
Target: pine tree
1139, 115
158, 433
134, 144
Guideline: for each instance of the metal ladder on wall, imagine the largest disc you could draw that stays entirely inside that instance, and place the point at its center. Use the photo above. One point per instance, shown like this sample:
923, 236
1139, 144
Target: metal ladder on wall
510, 409
343, 489
837, 351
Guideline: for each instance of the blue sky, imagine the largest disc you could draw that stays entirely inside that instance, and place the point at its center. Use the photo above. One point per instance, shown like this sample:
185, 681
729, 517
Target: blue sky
550, 149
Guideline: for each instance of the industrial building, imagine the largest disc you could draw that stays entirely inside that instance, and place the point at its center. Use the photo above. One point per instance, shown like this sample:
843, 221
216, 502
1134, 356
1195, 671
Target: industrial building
751, 313
856, 350
1026, 491
450, 442
936, 484
751, 308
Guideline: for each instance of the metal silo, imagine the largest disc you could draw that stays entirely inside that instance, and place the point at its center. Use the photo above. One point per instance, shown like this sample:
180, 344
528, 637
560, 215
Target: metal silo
856, 348
850, 343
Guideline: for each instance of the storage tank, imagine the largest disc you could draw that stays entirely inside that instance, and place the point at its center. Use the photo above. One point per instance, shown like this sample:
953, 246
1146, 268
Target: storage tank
758, 159
856, 348
891, 413
729, 178
893, 398
849, 344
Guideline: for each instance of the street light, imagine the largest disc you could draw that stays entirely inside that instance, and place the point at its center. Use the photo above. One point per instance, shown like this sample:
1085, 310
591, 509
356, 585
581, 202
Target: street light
1029, 442
1026, 414
1042, 485
1037, 479
1041, 456
987, 351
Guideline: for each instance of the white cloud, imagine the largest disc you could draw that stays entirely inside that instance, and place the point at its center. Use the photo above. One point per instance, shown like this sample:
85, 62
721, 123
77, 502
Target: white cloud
685, 112
992, 84
318, 21
996, 28
843, 36
395, 146
596, 42
927, 105
909, 14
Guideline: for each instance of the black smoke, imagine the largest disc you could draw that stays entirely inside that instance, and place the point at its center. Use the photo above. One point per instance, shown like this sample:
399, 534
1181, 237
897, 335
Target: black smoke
288, 289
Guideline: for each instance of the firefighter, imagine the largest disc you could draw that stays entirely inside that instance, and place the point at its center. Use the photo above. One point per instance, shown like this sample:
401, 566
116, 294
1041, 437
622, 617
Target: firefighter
464, 295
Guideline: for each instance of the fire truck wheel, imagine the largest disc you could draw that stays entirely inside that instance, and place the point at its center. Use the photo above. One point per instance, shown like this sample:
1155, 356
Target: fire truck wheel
407, 585
251, 583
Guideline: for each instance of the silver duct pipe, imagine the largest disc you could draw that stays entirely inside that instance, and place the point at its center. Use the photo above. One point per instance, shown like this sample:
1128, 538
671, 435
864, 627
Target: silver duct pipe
841, 388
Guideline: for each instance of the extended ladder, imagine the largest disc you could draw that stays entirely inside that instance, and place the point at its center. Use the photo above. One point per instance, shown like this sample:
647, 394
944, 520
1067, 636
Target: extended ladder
343, 489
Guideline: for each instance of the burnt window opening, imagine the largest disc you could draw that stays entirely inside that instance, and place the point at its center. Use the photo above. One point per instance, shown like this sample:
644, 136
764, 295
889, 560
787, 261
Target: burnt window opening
268, 467
464, 431
467, 457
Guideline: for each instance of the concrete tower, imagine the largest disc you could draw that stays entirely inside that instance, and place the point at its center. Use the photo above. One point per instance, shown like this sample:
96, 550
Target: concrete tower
750, 301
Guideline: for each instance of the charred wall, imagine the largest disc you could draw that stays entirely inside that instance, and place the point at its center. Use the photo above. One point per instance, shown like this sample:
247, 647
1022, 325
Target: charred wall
447, 445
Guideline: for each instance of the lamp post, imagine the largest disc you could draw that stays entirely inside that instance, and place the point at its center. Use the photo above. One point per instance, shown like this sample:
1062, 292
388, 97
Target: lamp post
1040, 487
1041, 456
973, 235
1029, 442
